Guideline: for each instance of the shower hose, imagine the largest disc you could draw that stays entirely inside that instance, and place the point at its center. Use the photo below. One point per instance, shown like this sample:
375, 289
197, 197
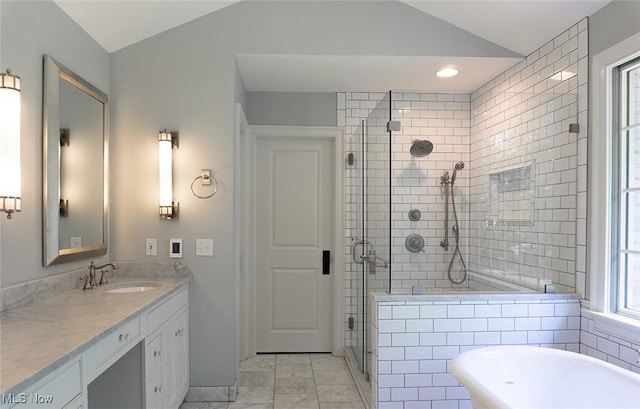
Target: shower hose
456, 232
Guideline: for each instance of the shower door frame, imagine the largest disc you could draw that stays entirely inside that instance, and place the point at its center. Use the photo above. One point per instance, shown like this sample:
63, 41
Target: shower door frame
362, 269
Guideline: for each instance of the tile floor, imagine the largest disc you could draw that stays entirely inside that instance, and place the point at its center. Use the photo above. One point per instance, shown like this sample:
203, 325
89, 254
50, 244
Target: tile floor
291, 381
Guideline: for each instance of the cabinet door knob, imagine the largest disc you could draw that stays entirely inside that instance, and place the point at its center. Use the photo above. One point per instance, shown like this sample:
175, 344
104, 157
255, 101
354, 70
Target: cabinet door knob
121, 337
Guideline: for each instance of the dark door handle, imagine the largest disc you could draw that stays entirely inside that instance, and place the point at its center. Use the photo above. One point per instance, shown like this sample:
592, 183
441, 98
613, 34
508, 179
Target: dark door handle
326, 262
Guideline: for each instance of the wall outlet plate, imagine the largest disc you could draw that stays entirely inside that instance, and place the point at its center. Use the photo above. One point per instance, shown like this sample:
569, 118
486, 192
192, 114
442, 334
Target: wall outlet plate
76, 242
204, 247
151, 247
175, 248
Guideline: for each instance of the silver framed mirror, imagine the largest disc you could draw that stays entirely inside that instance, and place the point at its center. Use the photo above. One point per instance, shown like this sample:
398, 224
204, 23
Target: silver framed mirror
74, 167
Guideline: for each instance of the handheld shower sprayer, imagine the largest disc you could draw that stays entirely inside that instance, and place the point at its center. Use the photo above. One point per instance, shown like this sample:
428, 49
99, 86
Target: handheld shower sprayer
457, 167
447, 181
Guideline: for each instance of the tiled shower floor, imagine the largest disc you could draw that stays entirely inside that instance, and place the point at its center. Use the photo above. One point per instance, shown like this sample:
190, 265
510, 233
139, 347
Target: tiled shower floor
291, 381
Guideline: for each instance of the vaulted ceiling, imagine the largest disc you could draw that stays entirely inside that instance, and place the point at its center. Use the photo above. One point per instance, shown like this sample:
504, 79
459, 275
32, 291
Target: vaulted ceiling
518, 26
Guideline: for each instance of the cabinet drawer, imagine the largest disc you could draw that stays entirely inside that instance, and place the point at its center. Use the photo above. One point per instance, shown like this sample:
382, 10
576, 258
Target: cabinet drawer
153, 355
165, 310
123, 337
154, 392
56, 393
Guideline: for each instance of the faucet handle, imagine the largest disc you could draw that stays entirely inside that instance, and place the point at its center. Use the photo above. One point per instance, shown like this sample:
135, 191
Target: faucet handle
103, 279
86, 280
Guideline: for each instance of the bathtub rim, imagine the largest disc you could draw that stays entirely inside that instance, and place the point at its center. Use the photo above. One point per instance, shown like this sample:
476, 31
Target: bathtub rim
490, 399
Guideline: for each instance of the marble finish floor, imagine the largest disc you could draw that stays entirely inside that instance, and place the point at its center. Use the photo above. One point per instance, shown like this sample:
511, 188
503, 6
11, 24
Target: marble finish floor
291, 381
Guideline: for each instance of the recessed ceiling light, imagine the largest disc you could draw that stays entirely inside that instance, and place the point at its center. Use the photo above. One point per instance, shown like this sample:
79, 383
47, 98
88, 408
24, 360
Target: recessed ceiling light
447, 72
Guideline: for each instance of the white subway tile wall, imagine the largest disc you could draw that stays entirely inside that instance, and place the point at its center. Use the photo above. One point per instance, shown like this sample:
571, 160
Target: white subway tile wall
414, 342
442, 119
619, 349
520, 118
520, 122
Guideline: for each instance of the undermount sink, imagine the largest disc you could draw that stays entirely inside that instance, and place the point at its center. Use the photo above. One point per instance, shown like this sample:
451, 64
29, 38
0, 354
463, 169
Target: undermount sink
132, 287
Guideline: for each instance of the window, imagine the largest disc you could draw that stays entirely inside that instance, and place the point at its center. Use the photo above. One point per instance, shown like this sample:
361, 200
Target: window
626, 246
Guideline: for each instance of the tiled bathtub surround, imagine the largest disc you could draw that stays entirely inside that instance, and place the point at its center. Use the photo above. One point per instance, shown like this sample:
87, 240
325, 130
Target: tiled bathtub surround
415, 337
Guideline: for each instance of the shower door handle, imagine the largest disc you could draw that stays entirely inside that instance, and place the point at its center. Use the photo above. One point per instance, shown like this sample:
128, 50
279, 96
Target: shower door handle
354, 258
326, 262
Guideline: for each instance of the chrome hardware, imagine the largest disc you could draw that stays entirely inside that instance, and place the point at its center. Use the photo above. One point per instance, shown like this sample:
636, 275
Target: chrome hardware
414, 243
393, 126
103, 279
92, 274
374, 260
574, 128
355, 244
123, 337
86, 281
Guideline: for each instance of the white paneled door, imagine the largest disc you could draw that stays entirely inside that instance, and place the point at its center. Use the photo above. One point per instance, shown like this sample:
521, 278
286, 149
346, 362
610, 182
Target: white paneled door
294, 200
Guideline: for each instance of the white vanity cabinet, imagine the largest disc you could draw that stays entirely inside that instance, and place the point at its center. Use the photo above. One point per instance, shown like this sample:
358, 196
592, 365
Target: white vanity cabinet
139, 359
167, 353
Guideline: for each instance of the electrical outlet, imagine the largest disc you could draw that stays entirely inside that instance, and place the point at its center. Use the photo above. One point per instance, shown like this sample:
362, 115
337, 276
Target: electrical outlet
204, 247
76, 242
151, 247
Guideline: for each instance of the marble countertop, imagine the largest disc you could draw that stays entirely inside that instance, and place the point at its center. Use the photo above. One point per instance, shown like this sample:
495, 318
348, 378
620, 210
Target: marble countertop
40, 337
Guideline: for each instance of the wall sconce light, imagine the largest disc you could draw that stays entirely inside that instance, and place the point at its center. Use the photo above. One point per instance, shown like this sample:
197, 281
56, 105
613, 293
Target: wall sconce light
10, 179
167, 140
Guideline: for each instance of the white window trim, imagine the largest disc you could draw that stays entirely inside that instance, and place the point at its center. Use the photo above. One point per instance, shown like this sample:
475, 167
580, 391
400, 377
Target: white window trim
600, 151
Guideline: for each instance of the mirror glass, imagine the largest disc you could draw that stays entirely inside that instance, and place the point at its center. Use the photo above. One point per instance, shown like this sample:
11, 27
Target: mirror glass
74, 166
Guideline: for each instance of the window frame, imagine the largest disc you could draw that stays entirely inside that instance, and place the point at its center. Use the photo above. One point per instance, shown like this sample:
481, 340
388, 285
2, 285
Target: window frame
620, 213
603, 285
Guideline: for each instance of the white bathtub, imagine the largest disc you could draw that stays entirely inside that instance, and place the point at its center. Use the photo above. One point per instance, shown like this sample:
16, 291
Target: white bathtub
543, 378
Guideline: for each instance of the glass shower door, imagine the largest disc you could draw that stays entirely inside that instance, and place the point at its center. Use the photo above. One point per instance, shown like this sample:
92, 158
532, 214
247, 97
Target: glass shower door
372, 244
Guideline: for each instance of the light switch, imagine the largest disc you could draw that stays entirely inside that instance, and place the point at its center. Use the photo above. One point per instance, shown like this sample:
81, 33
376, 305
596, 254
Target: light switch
151, 247
204, 247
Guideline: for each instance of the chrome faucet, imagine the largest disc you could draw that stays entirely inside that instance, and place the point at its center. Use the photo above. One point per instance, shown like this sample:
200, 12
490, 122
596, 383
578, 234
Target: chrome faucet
90, 279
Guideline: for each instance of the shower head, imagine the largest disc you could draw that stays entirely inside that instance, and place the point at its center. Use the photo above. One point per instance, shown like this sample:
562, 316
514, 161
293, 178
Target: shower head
420, 148
456, 168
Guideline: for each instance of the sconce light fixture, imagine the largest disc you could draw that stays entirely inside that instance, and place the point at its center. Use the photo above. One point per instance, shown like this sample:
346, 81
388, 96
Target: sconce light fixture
10, 179
167, 140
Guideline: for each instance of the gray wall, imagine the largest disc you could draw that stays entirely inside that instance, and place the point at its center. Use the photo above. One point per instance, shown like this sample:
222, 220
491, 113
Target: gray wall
291, 108
613, 23
29, 30
186, 79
